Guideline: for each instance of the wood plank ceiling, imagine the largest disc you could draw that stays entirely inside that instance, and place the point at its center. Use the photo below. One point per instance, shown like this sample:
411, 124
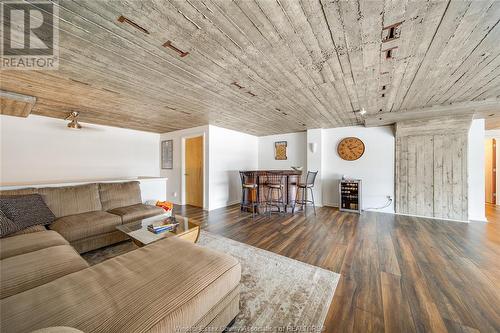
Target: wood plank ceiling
264, 66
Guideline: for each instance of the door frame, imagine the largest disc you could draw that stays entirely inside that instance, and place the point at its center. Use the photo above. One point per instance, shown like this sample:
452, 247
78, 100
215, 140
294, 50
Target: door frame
183, 168
494, 170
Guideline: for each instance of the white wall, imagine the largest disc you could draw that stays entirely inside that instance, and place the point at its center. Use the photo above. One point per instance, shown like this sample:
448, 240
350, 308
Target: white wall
495, 134
226, 152
315, 162
476, 157
230, 151
296, 151
375, 168
175, 178
43, 150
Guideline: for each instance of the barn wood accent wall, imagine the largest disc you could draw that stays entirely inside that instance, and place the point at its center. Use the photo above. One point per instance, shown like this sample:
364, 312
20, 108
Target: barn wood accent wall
431, 167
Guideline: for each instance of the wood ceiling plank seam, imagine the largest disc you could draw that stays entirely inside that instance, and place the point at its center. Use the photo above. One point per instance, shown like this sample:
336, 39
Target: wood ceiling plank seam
271, 14
465, 40
491, 89
179, 66
473, 66
213, 22
490, 94
462, 41
470, 82
66, 112
275, 96
477, 84
350, 18
310, 43
316, 19
271, 32
173, 79
260, 82
450, 22
494, 16
410, 12
110, 111
257, 28
329, 21
228, 18
126, 125
426, 29
92, 116
429, 45
148, 51
352, 54
333, 20
371, 18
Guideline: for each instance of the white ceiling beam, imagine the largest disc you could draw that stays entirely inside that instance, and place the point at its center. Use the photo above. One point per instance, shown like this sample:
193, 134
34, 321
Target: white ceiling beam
480, 109
14, 104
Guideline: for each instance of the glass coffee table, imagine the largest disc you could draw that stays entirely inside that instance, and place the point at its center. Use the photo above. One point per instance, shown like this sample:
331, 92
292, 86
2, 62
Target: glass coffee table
140, 235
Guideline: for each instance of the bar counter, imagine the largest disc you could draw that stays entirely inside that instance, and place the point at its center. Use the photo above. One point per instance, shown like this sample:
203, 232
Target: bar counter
292, 177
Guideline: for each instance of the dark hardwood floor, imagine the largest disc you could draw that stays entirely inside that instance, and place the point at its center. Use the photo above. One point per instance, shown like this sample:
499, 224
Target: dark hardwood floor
399, 274
493, 213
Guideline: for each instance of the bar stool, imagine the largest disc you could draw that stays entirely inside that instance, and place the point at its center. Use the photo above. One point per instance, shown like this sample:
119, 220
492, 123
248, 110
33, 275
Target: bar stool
249, 192
303, 187
274, 188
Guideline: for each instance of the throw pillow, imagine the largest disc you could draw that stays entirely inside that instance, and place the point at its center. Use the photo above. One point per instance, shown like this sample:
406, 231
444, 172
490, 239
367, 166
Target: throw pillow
26, 210
7, 226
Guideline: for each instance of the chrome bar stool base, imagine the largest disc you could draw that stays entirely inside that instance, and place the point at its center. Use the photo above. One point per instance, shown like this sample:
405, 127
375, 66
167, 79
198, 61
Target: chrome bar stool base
303, 187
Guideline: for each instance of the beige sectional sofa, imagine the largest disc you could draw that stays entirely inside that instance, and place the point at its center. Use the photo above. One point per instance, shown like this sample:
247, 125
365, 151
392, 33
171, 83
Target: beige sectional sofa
87, 215
168, 286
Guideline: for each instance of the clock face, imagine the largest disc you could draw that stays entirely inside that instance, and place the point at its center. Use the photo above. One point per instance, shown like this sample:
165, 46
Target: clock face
350, 149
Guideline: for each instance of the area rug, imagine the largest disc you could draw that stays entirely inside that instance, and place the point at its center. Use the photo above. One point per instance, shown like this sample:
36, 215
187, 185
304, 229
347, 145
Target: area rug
277, 293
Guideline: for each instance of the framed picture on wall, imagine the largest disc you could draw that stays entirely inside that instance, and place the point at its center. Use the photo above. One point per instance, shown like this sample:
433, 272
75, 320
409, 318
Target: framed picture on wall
280, 150
167, 154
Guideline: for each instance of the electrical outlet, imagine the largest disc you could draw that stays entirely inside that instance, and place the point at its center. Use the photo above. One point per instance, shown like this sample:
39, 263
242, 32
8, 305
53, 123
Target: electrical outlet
389, 197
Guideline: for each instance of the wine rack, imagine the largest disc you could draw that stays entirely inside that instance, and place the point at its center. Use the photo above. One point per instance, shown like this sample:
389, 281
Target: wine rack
350, 195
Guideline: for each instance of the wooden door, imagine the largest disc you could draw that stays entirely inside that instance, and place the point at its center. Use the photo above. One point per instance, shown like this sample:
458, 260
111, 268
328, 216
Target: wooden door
194, 171
490, 171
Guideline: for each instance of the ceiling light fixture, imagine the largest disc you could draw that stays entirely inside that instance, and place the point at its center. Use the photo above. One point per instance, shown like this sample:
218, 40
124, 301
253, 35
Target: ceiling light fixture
74, 124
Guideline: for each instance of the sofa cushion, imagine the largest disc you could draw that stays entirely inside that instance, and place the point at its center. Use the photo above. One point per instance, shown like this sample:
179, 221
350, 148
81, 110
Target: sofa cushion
29, 230
33, 269
114, 195
79, 226
170, 282
21, 244
26, 210
136, 212
70, 200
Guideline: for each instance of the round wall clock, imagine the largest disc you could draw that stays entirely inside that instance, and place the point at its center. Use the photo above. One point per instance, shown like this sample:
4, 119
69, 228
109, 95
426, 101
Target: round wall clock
351, 148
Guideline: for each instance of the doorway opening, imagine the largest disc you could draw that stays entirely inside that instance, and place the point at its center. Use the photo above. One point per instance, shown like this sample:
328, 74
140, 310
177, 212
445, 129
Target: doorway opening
490, 178
193, 171
490, 171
